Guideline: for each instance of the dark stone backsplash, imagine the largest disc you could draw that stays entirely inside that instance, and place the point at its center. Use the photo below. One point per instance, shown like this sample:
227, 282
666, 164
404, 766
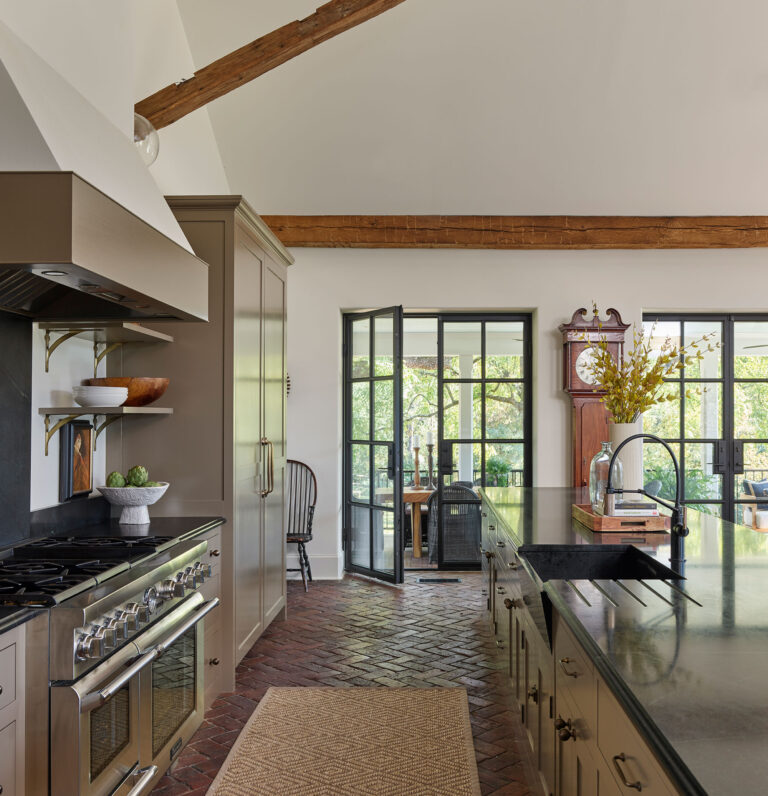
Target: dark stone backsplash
15, 426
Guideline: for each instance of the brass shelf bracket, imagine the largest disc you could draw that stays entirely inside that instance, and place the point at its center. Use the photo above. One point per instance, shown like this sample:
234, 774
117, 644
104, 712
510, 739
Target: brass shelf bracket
108, 420
50, 347
97, 357
49, 432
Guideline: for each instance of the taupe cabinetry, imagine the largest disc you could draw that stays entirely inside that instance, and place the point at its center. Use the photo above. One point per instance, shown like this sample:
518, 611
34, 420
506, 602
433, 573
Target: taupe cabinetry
223, 449
582, 740
12, 707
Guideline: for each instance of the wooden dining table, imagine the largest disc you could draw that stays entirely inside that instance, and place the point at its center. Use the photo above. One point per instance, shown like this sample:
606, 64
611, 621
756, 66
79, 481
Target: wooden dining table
416, 496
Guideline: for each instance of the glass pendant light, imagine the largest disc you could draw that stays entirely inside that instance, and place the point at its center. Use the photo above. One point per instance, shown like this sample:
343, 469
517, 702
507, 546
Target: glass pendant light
146, 139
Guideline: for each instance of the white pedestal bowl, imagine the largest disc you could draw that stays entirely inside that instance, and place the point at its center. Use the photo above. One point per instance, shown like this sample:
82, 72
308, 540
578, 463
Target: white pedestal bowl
134, 500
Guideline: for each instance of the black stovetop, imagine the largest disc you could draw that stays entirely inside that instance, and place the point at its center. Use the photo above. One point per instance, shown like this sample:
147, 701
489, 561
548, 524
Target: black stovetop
51, 570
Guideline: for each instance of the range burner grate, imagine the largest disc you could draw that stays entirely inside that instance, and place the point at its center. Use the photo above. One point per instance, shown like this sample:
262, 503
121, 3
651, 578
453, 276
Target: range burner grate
122, 547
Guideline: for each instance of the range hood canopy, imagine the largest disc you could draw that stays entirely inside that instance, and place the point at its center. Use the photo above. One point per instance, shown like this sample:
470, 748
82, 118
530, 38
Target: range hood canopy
69, 252
85, 233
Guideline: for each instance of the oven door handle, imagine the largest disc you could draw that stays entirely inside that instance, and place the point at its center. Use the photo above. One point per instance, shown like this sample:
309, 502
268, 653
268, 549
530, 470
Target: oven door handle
204, 609
95, 698
146, 777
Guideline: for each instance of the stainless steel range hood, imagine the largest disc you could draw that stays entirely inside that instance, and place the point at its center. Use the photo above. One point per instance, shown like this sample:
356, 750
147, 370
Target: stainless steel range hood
69, 252
85, 233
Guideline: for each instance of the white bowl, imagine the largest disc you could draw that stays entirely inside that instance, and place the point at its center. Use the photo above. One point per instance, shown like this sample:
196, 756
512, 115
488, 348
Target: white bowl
134, 500
86, 395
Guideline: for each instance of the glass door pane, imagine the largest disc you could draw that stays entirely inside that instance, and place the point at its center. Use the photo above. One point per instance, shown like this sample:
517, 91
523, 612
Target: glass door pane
694, 423
373, 500
750, 416
484, 424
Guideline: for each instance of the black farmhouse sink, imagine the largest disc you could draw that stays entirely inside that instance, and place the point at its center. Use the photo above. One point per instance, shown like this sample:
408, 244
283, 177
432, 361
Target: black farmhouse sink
594, 562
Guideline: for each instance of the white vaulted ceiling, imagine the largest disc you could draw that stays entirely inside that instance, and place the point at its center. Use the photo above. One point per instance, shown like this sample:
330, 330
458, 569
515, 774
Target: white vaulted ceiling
500, 107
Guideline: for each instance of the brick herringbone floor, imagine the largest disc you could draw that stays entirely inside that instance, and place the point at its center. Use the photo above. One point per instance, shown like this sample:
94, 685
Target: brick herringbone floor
360, 633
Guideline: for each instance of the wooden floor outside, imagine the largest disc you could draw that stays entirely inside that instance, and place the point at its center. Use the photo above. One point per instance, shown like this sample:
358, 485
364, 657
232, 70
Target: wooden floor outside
361, 633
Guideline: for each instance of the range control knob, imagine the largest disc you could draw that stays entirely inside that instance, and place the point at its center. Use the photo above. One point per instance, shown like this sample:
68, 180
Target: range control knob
88, 647
203, 570
170, 588
117, 626
137, 614
109, 634
188, 578
128, 619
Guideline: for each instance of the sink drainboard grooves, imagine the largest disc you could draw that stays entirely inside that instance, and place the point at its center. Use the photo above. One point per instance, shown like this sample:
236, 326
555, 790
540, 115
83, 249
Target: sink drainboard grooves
605, 594
630, 593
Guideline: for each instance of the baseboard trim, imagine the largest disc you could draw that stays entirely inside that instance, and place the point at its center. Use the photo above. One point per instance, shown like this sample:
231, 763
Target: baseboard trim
323, 567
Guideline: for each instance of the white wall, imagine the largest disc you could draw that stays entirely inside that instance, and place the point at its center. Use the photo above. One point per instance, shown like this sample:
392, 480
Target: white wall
324, 282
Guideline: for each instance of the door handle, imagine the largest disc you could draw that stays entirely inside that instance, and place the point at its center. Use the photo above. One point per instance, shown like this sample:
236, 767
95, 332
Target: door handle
445, 458
738, 457
721, 458
270, 467
391, 461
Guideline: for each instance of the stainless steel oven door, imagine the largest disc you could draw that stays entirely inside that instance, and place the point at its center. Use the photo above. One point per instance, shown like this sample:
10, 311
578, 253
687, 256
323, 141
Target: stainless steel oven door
95, 728
172, 693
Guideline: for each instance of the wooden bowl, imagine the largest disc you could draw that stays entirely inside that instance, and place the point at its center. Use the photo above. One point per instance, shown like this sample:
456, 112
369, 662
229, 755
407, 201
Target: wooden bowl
142, 390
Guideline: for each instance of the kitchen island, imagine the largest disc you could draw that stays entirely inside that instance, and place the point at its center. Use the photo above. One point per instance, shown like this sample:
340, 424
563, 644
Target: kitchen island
689, 673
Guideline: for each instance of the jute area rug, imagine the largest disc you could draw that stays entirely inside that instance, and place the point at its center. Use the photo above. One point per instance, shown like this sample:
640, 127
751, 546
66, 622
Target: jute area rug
352, 741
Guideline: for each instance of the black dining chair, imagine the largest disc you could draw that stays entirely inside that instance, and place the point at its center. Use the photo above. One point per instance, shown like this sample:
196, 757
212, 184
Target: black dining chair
461, 524
301, 497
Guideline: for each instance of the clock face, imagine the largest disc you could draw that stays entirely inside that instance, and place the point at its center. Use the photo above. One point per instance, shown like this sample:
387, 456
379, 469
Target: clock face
583, 362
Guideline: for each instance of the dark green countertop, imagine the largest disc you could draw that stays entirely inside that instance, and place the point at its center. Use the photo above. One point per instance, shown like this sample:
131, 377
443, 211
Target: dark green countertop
693, 677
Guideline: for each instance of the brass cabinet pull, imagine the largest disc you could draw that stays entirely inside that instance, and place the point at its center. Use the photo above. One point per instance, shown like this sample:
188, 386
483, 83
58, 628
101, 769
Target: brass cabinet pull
214, 661
627, 784
216, 553
513, 565
500, 643
489, 555
501, 590
485, 514
563, 661
491, 527
270, 467
533, 693
500, 544
508, 604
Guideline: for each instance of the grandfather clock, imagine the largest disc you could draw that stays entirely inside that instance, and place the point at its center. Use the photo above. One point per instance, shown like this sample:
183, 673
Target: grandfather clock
589, 415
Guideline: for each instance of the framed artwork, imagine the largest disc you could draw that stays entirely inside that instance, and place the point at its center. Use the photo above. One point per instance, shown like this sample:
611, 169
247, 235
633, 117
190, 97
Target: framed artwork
76, 460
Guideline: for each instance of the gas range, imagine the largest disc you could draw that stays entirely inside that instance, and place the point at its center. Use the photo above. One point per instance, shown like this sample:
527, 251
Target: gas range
49, 571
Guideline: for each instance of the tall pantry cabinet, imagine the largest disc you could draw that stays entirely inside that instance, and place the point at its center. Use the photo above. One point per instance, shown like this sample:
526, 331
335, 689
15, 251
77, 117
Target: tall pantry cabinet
223, 449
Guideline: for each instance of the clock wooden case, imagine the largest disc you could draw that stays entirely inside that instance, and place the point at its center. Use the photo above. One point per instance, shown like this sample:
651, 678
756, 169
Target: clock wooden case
589, 416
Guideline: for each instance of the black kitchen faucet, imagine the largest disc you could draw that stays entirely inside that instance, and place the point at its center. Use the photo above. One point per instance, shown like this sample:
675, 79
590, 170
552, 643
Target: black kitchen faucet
679, 529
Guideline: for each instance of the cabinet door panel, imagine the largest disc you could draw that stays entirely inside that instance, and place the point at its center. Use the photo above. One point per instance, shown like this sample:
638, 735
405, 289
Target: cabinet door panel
273, 320
624, 751
247, 450
8, 760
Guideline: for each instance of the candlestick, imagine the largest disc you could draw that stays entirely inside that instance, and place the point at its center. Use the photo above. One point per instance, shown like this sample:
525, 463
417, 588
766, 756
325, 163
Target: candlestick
415, 444
430, 448
430, 439
416, 474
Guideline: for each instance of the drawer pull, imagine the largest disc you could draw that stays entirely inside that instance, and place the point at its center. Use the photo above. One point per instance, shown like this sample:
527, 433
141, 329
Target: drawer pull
508, 604
533, 694
563, 662
500, 544
484, 513
501, 590
500, 643
513, 565
627, 784
216, 553
491, 527
489, 555
214, 661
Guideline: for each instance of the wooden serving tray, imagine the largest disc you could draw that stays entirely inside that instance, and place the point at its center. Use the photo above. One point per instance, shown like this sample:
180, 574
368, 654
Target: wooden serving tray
600, 524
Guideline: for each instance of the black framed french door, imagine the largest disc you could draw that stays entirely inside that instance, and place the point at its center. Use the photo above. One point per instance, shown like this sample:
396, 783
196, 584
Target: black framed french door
719, 426
373, 484
484, 422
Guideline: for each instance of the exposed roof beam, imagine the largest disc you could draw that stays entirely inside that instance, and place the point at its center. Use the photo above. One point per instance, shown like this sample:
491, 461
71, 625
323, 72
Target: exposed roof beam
222, 76
521, 232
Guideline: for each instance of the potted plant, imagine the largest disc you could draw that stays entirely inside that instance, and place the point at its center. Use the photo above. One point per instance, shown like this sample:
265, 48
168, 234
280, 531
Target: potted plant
635, 383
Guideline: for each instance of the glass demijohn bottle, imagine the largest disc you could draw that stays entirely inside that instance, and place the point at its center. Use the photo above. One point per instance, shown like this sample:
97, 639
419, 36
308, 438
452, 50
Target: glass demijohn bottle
598, 476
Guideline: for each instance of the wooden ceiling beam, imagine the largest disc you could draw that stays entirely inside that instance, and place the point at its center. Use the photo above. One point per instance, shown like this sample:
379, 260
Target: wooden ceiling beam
521, 232
248, 62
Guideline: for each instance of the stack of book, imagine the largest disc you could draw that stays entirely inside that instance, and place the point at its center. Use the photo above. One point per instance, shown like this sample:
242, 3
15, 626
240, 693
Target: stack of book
635, 508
